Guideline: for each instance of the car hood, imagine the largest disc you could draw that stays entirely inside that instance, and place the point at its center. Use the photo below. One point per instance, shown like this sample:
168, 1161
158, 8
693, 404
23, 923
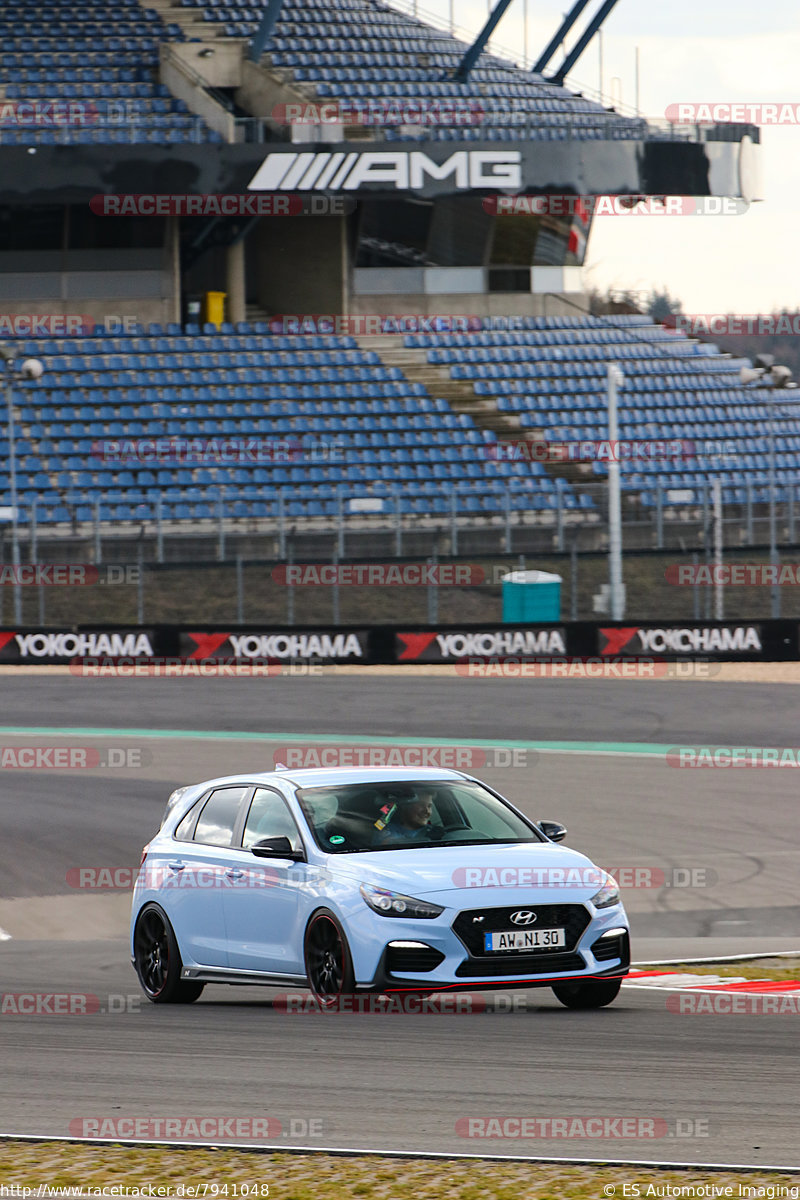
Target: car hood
476, 869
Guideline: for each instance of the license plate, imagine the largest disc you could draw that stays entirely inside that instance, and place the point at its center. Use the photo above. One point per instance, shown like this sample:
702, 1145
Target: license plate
523, 939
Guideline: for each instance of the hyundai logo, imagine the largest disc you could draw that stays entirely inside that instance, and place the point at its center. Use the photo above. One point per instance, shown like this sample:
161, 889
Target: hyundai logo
523, 917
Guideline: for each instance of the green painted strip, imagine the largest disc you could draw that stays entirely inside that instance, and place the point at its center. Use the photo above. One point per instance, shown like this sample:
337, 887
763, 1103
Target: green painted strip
609, 748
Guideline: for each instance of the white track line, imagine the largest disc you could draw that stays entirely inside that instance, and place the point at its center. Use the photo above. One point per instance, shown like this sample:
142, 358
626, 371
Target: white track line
433, 1155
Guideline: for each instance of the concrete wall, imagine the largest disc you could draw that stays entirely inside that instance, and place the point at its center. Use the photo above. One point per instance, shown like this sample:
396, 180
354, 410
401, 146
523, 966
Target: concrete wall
184, 80
300, 265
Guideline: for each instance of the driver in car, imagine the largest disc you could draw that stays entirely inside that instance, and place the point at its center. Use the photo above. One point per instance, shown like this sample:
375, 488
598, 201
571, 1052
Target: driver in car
409, 819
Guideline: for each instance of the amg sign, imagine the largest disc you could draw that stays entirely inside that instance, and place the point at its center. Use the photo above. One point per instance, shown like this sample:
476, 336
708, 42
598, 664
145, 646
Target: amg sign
401, 170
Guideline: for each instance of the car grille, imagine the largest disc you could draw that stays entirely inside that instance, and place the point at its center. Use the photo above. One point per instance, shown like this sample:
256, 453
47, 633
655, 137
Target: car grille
521, 964
605, 949
416, 959
573, 917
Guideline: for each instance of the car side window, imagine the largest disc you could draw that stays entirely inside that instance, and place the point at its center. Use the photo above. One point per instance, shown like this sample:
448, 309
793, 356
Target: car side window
216, 822
269, 816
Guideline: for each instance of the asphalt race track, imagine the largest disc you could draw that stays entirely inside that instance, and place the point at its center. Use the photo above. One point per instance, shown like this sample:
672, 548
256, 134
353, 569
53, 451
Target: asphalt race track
719, 1088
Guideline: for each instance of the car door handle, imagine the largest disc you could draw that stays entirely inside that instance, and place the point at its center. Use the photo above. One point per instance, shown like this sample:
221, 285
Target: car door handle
176, 866
234, 873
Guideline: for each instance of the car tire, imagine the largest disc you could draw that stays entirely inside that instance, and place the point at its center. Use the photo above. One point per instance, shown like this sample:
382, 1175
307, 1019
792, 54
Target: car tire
596, 994
157, 960
328, 962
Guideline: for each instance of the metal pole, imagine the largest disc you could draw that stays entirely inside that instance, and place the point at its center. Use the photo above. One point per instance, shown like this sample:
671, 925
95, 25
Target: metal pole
281, 525
433, 596
398, 525
453, 522
335, 589
615, 379
140, 590
719, 593
695, 588
239, 591
659, 516
12, 470
290, 591
98, 544
573, 582
507, 517
159, 530
773, 532
221, 542
34, 533
560, 522
637, 81
340, 519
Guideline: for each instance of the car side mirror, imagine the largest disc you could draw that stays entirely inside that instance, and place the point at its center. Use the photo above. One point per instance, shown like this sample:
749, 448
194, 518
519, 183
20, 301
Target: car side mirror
553, 830
277, 847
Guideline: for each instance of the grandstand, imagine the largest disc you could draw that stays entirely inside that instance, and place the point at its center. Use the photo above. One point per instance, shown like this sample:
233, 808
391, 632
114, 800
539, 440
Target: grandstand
415, 421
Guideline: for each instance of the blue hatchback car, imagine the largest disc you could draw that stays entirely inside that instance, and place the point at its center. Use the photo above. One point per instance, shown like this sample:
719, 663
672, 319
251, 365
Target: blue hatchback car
370, 880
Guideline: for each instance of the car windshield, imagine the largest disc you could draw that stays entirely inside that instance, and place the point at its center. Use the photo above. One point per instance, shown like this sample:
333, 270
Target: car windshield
394, 816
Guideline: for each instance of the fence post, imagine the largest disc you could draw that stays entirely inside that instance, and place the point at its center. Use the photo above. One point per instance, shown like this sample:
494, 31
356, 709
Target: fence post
749, 518
398, 525
453, 523
335, 589
289, 590
573, 581
507, 515
41, 603
281, 525
159, 530
34, 533
98, 545
239, 591
791, 513
560, 521
433, 595
221, 541
340, 522
659, 516
140, 588
695, 588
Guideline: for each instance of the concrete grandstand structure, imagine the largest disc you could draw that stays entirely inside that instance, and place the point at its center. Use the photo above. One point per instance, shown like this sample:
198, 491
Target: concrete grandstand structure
345, 99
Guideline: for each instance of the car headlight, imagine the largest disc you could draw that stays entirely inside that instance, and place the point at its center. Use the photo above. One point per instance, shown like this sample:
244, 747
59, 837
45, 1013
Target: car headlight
608, 894
394, 904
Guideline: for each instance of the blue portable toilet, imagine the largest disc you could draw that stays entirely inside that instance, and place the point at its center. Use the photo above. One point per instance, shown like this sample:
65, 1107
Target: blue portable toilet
531, 596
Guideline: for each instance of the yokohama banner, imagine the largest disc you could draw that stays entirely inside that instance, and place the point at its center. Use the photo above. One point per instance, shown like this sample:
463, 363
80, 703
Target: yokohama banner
275, 645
